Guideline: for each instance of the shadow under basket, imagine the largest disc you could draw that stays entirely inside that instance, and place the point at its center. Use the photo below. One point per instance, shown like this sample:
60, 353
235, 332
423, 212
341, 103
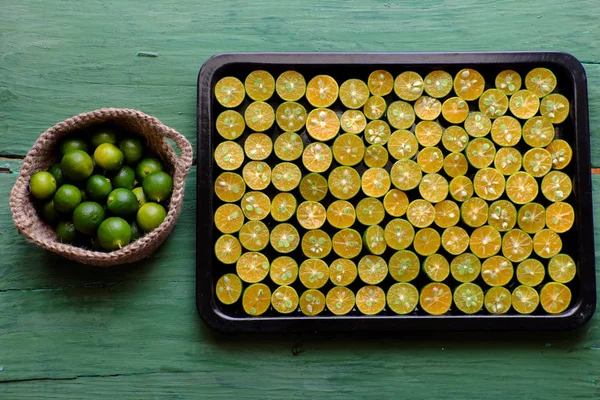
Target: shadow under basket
44, 153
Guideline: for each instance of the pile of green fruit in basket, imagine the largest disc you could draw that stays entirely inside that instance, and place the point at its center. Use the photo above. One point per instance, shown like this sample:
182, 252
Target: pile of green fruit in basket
410, 194
104, 193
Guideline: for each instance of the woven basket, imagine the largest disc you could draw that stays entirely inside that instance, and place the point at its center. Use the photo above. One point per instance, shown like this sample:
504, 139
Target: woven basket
44, 154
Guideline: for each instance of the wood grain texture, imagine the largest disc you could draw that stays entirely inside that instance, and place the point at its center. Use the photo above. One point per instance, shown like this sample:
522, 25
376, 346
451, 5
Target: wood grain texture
72, 332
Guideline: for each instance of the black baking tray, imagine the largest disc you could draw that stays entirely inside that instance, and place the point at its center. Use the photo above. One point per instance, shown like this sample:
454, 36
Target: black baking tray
580, 244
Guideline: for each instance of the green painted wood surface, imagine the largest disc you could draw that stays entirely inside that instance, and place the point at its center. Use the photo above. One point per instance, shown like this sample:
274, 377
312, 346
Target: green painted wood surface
72, 332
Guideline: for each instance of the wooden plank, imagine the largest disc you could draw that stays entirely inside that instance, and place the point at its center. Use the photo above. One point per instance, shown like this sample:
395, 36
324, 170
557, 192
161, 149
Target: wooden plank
88, 56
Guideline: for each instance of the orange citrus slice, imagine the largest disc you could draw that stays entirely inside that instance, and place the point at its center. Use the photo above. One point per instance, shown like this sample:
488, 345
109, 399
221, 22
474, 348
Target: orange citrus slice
400, 115
229, 92
497, 271
372, 269
489, 183
252, 267
347, 243
353, 121
555, 107
342, 272
375, 107
404, 266
420, 213
474, 212
428, 133
322, 91
438, 84
322, 124
538, 132
288, 146
290, 116
521, 188
461, 188
493, 103
374, 240
455, 110
560, 217
516, 245
312, 302
290, 86
258, 146
229, 155
436, 298
259, 116
340, 300
230, 124
427, 108
256, 205
341, 214
254, 235
531, 272
508, 160
311, 214
402, 144
455, 164
370, 300
256, 299
562, 268
436, 267
506, 131
316, 244
468, 298
227, 249
344, 182
284, 238
556, 186
540, 81
433, 188
402, 298
455, 240
313, 187
230, 187
395, 203
524, 104
257, 175
408, 86
497, 300
561, 153
314, 273
399, 234
481, 152
260, 85
465, 267
426, 242
377, 132
555, 297
537, 162
228, 288
376, 156
532, 217
317, 157
380, 83
455, 138
284, 270
286, 176
370, 211
485, 242
525, 299
431, 159
229, 218
354, 93
406, 174
285, 299
447, 214
508, 81
375, 182
468, 84
478, 124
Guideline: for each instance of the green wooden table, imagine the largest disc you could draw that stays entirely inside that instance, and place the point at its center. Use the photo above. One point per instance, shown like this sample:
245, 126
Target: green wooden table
72, 332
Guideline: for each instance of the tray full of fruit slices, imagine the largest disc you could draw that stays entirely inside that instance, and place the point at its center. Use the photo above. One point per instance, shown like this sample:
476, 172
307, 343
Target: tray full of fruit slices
394, 191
